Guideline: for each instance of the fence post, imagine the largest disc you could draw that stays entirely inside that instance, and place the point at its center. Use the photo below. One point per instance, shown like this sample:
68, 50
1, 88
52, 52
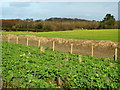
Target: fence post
71, 51
38, 43
8, 38
92, 53
67, 58
17, 40
59, 81
116, 53
53, 45
27, 41
80, 58
42, 49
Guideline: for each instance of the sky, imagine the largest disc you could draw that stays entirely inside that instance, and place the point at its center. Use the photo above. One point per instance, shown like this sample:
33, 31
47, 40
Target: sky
44, 10
59, 0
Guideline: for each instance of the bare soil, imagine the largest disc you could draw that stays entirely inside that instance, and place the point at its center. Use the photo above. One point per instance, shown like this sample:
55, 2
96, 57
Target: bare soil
102, 48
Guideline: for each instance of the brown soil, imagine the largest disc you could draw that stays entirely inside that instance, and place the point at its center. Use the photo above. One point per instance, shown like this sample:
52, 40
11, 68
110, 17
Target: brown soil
102, 48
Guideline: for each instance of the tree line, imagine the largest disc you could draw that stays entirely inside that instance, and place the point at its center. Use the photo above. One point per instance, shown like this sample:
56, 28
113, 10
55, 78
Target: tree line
58, 24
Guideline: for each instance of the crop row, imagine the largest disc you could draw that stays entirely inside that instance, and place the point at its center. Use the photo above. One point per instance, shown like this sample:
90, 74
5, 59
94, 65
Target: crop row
28, 67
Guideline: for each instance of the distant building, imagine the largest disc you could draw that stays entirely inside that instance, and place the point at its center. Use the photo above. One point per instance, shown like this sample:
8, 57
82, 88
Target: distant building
79, 29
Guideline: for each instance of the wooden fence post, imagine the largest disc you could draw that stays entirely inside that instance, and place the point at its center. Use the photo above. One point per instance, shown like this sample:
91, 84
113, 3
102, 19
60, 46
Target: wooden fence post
38, 43
53, 45
80, 58
71, 49
42, 49
59, 81
116, 53
17, 40
27, 41
92, 53
67, 58
8, 38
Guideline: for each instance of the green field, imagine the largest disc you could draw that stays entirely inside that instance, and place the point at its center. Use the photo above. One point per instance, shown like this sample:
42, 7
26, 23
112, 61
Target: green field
27, 67
102, 34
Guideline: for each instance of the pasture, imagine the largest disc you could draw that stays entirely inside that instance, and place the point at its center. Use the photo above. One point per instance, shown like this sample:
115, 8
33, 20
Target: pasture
100, 34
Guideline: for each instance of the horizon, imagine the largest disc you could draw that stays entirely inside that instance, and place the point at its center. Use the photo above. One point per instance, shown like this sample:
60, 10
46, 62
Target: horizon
47, 18
44, 10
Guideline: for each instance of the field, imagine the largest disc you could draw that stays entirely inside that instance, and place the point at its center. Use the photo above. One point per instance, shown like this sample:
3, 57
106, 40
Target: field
28, 67
103, 34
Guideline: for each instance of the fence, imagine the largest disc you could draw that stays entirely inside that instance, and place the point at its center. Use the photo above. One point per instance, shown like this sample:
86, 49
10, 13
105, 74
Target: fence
69, 47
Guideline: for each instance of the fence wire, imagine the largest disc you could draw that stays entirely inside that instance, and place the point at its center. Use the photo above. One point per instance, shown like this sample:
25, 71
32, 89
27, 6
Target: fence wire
86, 50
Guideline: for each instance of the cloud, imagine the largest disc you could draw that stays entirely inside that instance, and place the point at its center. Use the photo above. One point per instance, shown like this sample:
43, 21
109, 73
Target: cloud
19, 4
45, 10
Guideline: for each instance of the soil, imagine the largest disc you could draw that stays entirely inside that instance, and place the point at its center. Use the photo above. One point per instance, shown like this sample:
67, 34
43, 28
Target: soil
102, 48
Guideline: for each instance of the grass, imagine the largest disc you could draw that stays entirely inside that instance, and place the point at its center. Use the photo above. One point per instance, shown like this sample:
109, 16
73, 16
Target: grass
101, 34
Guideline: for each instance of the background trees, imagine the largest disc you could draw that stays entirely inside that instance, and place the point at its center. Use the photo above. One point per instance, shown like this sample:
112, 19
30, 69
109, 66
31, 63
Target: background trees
108, 22
38, 26
58, 24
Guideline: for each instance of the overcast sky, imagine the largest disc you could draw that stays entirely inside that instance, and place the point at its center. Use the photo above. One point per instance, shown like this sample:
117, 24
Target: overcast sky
43, 10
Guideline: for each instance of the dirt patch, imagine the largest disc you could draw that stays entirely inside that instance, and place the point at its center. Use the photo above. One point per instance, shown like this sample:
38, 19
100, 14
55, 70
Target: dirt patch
102, 48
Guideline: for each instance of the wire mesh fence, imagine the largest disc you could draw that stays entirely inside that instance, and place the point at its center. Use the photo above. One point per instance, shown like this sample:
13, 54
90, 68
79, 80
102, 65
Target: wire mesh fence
65, 46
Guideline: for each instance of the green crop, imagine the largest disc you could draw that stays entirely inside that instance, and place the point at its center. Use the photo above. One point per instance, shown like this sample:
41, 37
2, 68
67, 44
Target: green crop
28, 67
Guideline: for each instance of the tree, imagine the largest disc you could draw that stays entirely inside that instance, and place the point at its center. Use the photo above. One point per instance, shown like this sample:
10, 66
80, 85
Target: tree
108, 22
47, 27
38, 26
14, 27
29, 19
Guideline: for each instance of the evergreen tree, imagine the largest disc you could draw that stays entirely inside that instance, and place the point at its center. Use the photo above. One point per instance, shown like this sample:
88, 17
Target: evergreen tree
108, 22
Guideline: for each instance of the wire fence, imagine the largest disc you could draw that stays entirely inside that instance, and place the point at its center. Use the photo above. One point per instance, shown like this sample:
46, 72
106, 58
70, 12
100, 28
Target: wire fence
90, 50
